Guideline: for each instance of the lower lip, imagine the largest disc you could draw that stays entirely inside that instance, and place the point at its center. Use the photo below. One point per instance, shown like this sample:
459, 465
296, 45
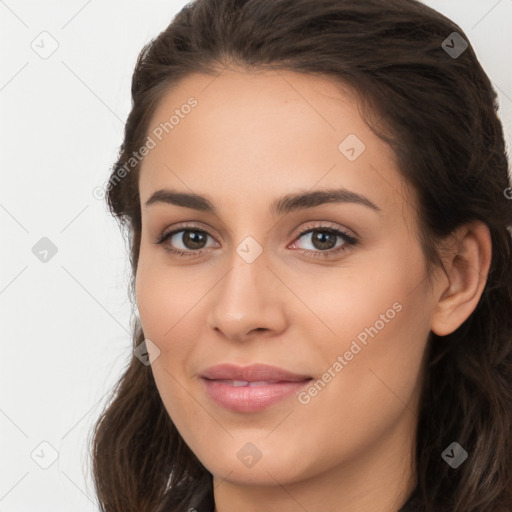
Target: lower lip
251, 399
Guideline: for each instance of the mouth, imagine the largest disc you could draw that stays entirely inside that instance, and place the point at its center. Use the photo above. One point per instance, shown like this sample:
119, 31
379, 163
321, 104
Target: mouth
251, 384
252, 388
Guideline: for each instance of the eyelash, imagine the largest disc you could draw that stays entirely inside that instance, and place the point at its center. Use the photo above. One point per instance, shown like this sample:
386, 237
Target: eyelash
349, 241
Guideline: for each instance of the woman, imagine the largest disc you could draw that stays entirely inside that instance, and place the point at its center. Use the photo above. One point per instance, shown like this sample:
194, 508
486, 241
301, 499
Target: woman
315, 193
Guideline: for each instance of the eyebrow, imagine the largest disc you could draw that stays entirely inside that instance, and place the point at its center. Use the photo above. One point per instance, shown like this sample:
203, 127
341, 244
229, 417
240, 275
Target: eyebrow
281, 206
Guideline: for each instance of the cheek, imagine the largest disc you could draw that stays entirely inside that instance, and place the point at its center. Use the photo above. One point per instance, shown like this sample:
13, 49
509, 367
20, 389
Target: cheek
365, 303
164, 297
372, 358
163, 310
367, 388
167, 300
163, 306
382, 356
151, 300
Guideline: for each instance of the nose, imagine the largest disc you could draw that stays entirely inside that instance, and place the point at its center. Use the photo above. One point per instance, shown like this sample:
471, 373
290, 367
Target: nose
248, 299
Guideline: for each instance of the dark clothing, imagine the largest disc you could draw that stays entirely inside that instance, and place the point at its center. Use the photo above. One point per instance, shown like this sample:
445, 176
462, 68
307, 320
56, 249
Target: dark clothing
204, 502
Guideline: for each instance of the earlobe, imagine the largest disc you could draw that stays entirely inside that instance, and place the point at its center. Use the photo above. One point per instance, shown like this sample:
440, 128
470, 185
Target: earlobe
467, 264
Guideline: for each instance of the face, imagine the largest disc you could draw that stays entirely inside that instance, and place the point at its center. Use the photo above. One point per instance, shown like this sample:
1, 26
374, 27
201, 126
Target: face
331, 288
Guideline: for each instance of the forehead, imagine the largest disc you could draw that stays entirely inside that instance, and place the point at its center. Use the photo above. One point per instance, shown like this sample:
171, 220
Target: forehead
262, 132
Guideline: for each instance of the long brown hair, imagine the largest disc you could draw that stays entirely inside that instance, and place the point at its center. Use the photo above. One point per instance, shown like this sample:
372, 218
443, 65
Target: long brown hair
438, 111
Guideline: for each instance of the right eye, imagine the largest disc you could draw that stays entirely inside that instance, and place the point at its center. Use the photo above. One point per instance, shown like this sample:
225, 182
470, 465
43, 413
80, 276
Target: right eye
191, 238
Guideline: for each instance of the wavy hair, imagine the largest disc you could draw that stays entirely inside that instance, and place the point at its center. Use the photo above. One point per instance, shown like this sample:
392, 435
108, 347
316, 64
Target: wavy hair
439, 113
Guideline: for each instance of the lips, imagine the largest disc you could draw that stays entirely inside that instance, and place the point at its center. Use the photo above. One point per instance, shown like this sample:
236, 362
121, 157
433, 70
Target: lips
242, 383
251, 388
253, 373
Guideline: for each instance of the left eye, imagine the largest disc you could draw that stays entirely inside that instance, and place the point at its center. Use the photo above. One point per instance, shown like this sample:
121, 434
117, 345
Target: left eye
324, 240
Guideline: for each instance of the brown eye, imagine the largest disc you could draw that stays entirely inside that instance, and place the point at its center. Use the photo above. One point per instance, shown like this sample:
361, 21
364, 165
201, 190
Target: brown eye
193, 239
325, 241
185, 241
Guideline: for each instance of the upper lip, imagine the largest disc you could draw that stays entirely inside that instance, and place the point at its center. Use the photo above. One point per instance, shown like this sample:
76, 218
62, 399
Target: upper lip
252, 373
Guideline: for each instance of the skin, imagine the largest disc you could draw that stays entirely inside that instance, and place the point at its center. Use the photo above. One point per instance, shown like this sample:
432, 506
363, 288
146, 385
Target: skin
254, 137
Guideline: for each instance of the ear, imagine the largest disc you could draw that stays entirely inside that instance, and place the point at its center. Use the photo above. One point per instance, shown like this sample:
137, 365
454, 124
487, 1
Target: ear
467, 262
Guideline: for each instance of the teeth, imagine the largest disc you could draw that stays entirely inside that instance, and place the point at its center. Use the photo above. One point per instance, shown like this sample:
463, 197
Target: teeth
258, 383
237, 383
240, 383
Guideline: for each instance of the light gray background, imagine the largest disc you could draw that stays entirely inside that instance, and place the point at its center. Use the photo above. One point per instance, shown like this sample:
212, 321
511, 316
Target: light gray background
65, 323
